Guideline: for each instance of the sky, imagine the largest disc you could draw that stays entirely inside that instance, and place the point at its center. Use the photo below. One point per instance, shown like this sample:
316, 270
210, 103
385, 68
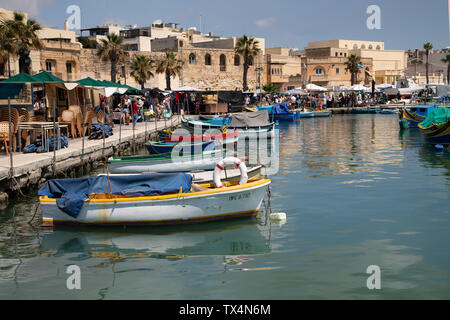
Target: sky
405, 24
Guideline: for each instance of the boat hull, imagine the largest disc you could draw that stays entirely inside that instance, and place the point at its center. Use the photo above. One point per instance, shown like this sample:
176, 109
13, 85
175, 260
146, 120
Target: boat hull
164, 148
216, 204
322, 114
437, 135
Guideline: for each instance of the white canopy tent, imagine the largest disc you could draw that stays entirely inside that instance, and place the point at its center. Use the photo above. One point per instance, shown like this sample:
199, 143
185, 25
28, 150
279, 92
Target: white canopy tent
316, 88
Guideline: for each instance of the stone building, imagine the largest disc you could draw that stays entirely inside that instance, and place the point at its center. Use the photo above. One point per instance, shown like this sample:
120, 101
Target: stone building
284, 68
437, 72
324, 62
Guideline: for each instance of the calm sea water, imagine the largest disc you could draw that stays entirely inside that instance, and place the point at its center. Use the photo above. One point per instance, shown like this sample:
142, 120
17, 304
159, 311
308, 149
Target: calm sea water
356, 191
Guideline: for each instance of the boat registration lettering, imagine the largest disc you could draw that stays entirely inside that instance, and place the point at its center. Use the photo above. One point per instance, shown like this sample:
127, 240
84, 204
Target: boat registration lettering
240, 197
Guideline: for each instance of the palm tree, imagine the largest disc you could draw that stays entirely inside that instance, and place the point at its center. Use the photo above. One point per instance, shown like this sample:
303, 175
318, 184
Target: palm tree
447, 61
248, 48
19, 37
141, 68
110, 49
171, 66
428, 47
352, 65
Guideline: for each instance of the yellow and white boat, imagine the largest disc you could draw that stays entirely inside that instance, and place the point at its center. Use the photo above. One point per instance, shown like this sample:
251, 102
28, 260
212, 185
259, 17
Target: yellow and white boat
199, 203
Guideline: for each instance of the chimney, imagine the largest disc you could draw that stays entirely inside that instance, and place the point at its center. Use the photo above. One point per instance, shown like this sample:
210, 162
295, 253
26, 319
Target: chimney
66, 26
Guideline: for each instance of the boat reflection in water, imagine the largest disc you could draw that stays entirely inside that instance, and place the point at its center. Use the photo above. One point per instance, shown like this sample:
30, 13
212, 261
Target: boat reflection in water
239, 238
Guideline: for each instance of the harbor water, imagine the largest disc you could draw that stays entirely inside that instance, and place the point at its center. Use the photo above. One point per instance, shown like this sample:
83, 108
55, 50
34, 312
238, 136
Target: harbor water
357, 193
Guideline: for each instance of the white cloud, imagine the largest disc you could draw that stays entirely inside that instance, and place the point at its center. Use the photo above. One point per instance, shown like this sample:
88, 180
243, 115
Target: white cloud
266, 23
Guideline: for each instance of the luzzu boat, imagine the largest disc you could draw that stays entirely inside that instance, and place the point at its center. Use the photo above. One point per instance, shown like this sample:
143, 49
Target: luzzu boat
160, 199
436, 127
410, 118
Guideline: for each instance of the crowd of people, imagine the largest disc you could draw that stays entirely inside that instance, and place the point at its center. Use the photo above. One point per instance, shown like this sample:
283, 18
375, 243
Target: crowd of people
319, 101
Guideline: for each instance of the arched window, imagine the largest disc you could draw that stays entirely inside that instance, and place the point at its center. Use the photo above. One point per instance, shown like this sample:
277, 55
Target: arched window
207, 59
363, 46
370, 47
378, 47
192, 59
223, 62
237, 60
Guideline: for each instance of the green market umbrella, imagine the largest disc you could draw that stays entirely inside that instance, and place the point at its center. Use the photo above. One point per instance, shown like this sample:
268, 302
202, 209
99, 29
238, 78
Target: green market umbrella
21, 78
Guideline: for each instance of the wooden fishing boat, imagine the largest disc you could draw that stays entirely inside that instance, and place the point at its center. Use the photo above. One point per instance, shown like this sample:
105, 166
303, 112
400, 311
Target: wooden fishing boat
410, 118
223, 136
238, 121
190, 148
306, 114
436, 127
165, 163
171, 199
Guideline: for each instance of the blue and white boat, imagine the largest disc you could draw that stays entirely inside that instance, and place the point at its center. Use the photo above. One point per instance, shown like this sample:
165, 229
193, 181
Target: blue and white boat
410, 118
189, 148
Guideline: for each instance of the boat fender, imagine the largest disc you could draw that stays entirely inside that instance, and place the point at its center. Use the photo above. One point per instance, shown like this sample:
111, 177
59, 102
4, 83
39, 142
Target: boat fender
227, 162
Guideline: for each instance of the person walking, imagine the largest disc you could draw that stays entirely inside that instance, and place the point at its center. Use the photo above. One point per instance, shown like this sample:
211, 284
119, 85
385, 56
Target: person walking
135, 111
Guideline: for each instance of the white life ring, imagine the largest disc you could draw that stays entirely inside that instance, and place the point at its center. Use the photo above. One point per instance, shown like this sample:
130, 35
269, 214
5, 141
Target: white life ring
228, 162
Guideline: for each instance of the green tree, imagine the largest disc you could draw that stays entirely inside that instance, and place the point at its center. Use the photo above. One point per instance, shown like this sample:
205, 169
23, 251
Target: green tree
352, 65
19, 36
428, 47
171, 66
447, 61
248, 48
141, 67
271, 89
111, 50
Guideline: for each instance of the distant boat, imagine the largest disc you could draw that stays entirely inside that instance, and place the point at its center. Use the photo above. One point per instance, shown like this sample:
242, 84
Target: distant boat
410, 118
436, 127
190, 148
165, 163
365, 111
245, 122
389, 111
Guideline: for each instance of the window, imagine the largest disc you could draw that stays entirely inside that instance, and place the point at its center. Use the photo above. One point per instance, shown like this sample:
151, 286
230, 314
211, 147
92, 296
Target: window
237, 60
2, 69
192, 59
48, 66
250, 62
370, 47
319, 71
336, 54
69, 67
223, 63
207, 59
378, 47
181, 44
363, 46
337, 70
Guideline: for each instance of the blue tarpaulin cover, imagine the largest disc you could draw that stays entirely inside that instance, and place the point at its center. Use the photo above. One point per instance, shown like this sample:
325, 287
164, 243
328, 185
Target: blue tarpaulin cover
282, 108
70, 194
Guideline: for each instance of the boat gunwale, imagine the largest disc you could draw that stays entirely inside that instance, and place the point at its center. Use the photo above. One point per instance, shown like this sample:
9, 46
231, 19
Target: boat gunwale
249, 186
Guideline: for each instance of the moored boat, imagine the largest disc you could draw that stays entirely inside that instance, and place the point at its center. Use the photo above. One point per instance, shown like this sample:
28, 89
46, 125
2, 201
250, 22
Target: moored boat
436, 127
165, 163
410, 118
190, 148
146, 200
322, 114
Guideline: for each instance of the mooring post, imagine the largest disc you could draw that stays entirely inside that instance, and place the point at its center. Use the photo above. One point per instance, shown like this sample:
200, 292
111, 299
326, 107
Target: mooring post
11, 164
